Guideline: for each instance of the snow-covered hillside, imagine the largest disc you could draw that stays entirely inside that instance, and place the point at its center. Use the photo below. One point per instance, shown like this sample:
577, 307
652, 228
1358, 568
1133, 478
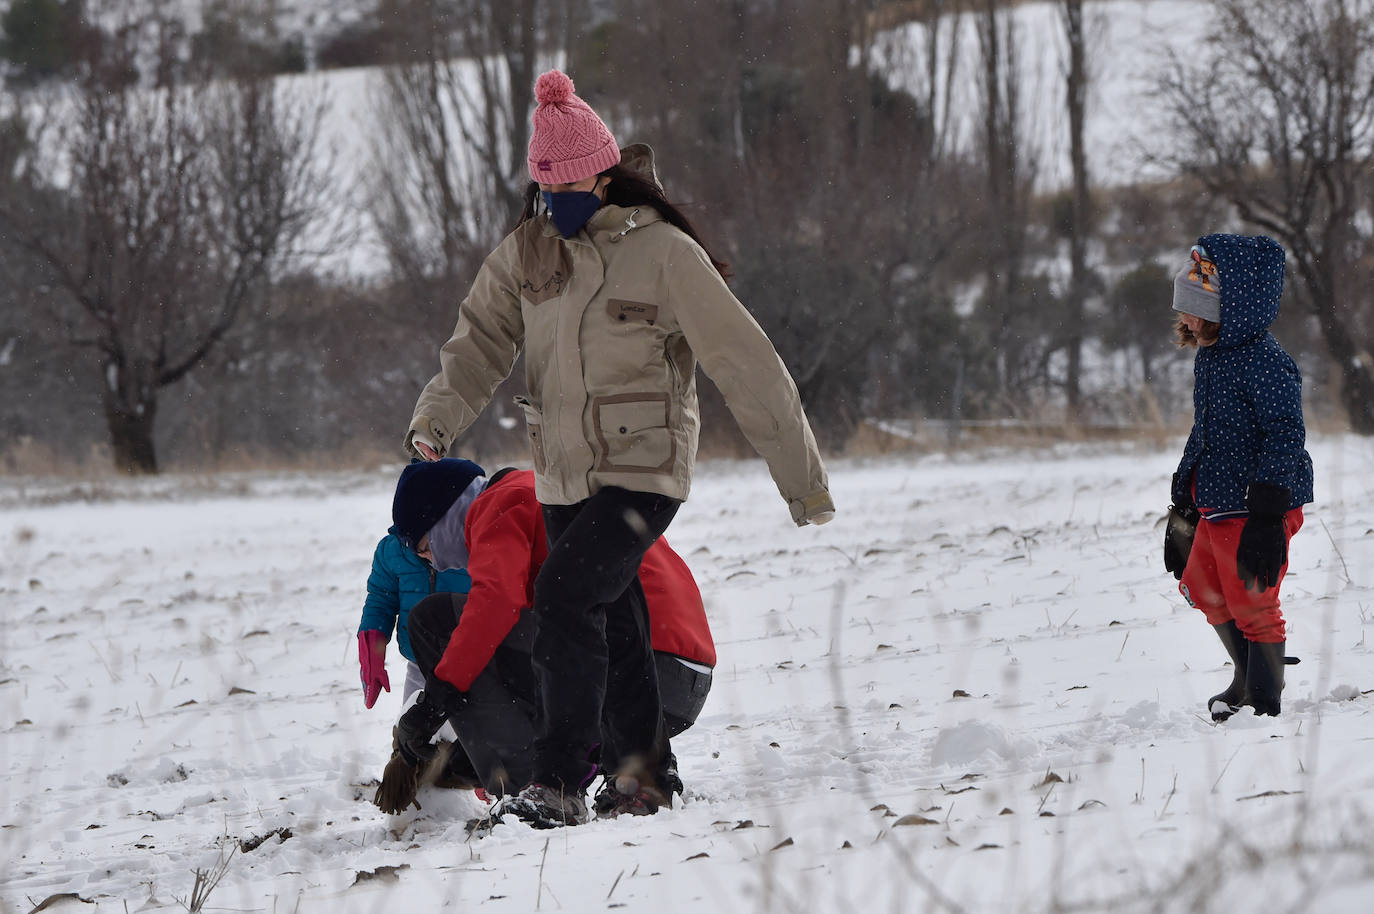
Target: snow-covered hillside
313, 20
1130, 42
976, 690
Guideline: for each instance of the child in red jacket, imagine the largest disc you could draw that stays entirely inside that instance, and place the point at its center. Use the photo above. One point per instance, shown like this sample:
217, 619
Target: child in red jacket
474, 649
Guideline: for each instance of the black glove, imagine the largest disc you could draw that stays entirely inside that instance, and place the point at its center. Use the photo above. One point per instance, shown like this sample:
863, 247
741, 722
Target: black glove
1263, 549
417, 727
1178, 538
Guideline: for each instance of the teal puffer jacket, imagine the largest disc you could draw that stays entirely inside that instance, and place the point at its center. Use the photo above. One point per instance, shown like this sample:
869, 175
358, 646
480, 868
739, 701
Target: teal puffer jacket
398, 581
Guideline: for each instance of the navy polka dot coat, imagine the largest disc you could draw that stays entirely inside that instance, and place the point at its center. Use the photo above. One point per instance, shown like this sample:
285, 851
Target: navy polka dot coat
1247, 391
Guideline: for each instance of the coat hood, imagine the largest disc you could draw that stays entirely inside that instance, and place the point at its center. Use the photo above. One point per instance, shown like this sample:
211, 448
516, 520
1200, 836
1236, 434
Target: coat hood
639, 157
1250, 269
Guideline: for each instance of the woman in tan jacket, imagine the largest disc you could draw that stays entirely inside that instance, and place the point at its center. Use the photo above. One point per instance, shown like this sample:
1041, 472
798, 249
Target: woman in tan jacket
613, 299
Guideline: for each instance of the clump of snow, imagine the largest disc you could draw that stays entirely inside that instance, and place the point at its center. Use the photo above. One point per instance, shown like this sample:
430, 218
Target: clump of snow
168, 771
974, 741
1345, 692
1143, 715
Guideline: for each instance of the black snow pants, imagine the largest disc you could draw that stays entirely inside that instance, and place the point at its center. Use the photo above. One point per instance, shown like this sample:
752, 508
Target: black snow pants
494, 719
593, 660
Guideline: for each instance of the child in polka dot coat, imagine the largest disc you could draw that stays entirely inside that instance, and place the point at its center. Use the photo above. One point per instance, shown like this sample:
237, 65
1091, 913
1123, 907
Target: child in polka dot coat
1245, 473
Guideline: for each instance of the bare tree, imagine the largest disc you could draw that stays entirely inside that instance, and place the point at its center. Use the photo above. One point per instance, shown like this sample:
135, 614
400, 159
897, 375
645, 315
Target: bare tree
1014, 306
815, 159
176, 206
1076, 82
450, 160
1278, 120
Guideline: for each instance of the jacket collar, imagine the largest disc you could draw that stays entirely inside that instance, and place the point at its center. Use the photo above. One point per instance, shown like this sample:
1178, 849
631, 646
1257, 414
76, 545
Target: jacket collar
610, 222
499, 475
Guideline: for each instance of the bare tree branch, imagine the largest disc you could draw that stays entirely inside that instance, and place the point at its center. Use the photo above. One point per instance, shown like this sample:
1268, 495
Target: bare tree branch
173, 205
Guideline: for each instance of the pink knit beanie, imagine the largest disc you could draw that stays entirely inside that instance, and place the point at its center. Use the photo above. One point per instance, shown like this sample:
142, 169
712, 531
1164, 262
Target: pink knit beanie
569, 142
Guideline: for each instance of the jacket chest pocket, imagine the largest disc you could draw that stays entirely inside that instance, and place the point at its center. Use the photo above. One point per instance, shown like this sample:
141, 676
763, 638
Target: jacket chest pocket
625, 311
632, 433
534, 431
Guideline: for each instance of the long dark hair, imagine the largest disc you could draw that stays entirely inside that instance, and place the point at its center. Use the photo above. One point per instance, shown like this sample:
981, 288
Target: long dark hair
630, 188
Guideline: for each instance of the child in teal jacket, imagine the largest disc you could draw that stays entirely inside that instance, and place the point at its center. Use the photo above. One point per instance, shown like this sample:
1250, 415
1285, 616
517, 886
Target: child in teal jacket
399, 579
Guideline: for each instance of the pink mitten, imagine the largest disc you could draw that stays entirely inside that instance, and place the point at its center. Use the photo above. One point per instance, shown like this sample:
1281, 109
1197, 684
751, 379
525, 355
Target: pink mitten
372, 660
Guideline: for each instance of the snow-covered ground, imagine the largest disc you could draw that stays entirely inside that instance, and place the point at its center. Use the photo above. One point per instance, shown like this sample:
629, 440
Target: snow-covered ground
976, 690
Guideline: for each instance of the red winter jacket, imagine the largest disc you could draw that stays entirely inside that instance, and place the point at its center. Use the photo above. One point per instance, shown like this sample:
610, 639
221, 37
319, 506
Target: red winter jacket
507, 546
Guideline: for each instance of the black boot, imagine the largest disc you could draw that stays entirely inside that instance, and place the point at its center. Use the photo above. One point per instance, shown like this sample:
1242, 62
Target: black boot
1264, 677
1229, 702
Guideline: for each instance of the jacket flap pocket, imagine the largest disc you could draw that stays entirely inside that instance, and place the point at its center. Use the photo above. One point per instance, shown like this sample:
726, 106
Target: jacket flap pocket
632, 433
634, 416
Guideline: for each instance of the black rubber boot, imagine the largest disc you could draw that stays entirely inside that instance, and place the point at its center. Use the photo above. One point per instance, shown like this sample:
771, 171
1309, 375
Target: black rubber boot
1226, 703
1264, 677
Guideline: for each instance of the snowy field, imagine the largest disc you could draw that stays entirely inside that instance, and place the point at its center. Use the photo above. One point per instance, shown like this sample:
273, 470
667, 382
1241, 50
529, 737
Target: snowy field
976, 690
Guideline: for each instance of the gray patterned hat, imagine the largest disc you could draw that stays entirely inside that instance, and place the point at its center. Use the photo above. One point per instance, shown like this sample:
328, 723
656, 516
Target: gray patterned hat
1197, 289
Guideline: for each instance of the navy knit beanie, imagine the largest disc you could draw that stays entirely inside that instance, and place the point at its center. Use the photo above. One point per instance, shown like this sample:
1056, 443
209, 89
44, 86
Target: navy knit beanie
426, 491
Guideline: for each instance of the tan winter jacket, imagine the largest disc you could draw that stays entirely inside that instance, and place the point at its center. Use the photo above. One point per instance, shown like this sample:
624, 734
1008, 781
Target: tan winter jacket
613, 322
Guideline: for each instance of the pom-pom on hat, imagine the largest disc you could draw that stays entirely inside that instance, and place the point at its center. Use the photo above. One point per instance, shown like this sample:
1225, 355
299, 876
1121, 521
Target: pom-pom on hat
569, 142
425, 492
1197, 288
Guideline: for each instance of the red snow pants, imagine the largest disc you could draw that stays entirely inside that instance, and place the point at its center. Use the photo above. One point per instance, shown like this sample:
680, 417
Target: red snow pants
1212, 584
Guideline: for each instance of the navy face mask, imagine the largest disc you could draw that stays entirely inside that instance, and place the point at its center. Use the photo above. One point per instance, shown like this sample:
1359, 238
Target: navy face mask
571, 209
